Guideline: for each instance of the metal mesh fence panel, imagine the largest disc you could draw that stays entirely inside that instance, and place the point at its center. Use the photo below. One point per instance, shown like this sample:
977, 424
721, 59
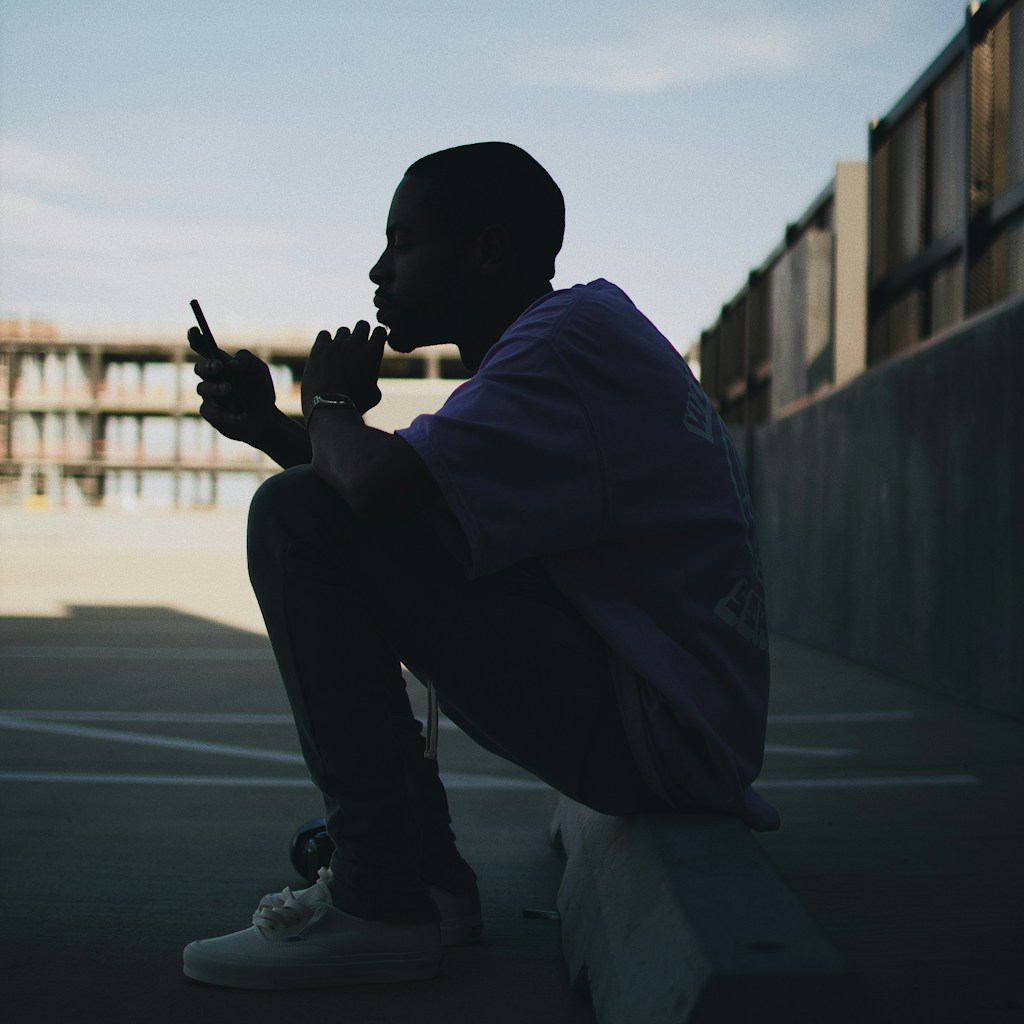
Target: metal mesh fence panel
1015, 75
999, 40
818, 271
733, 352
710, 346
982, 145
789, 325
879, 212
948, 117
759, 318
903, 323
947, 297
906, 189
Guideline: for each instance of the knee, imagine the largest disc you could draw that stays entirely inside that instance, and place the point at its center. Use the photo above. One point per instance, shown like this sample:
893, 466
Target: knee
291, 492
279, 492
296, 502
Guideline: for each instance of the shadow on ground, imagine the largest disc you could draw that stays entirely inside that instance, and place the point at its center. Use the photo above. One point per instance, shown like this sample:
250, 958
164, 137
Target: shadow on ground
134, 822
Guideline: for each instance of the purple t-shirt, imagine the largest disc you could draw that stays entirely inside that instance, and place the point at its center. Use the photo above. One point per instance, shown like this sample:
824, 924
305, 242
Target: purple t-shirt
584, 440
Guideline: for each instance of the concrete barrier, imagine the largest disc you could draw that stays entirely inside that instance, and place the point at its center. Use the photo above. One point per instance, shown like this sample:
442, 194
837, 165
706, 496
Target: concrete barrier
673, 918
891, 515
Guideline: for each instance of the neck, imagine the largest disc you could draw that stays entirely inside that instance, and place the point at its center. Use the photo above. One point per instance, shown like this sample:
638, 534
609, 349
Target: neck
494, 320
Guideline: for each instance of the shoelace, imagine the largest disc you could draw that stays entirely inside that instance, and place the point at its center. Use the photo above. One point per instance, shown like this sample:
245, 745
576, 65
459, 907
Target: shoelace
281, 915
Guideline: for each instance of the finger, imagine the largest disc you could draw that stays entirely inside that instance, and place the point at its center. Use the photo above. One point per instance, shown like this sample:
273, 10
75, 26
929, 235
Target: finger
195, 340
342, 334
376, 357
375, 345
217, 416
243, 363
213, 389
208, 368
361, 332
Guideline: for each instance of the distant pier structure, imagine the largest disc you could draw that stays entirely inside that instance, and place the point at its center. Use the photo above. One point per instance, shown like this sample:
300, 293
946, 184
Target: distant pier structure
86, 421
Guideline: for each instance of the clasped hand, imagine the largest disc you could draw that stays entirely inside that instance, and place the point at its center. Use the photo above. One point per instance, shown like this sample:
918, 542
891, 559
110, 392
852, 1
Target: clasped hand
348, 363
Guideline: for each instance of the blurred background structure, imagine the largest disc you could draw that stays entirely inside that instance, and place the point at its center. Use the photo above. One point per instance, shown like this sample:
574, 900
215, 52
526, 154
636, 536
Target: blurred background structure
872, 374
922, 236
117, 422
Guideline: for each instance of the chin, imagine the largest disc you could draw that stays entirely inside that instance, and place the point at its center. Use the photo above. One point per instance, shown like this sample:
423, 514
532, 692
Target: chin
410, 337
402, 343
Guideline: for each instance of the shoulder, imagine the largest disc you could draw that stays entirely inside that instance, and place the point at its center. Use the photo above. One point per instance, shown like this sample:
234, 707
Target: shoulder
564, 316
597, 296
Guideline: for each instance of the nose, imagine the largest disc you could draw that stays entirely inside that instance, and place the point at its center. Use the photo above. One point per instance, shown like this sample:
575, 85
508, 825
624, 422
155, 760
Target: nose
379, 271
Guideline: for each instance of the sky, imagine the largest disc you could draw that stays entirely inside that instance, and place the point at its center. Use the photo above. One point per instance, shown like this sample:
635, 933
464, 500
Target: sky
245, 153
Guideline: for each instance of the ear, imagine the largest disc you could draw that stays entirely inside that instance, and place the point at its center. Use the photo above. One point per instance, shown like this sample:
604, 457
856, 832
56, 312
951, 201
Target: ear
494, 250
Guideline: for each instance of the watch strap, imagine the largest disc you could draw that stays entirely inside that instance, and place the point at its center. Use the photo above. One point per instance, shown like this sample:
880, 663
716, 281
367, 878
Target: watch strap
331, 400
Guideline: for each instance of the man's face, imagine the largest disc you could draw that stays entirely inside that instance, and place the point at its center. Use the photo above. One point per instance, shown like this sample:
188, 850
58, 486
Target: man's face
419, 291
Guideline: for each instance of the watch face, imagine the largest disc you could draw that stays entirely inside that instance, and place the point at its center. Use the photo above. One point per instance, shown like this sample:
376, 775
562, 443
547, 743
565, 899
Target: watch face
332, 399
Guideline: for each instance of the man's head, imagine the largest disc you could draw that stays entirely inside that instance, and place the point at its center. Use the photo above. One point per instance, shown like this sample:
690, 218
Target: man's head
471, 230
486, 183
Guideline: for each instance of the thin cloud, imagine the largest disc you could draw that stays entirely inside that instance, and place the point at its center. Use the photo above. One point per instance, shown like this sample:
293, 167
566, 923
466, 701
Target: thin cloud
30, 223
687, 46
30, 168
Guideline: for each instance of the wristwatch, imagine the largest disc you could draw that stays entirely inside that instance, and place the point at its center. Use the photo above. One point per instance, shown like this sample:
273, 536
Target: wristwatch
332, 400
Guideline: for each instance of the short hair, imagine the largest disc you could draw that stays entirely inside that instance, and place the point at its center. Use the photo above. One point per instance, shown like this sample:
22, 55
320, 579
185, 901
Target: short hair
498, 183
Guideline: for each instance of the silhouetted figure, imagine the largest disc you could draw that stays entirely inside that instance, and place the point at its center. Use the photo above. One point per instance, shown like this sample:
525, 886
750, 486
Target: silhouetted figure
565, 551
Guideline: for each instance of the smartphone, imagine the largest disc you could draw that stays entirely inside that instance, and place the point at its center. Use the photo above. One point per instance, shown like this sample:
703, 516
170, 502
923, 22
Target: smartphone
204, 345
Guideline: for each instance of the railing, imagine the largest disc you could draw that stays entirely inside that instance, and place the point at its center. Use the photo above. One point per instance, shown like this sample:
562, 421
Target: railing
777, 339
946, 190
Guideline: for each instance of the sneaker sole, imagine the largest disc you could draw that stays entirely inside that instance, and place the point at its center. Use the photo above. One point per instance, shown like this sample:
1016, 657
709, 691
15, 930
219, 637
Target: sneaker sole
327, 972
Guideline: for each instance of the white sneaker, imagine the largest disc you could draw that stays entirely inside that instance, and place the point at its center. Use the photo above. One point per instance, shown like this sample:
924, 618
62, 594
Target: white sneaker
301, 940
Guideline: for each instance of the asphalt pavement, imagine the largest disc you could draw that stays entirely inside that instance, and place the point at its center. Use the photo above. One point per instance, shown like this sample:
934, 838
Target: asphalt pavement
150, 782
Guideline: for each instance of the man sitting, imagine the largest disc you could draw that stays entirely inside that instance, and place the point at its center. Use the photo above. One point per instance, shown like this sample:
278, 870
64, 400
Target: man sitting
565, 551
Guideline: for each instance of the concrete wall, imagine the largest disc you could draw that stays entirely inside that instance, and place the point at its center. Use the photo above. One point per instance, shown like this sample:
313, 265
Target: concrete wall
891, 515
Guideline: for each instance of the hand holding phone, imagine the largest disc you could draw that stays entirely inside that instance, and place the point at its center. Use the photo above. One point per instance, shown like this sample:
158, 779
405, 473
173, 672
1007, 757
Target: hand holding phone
237, 391
202, 341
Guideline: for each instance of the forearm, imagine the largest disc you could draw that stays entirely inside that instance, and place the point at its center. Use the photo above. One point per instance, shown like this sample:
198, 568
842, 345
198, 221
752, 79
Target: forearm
378, 474
285, 441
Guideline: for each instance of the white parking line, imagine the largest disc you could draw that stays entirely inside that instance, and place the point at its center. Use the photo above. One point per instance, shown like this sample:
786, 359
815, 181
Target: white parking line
825, 718
779, 748
197, 717
161, 717
23, 721
241, 718
140, 653
148, 740
97, 778
45, 721
459, 780
452, 780
869, 782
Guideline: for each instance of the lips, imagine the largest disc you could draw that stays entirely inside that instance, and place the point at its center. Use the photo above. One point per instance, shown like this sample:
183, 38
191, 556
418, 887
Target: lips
385, 305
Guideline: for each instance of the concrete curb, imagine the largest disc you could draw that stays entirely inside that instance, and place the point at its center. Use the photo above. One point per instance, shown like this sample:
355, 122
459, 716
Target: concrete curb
675, 918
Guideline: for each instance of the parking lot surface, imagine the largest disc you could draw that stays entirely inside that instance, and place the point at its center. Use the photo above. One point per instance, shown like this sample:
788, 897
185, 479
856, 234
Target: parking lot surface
150, 782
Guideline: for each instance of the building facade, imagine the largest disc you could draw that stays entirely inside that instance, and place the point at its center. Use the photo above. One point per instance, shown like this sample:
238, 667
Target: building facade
87, 422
